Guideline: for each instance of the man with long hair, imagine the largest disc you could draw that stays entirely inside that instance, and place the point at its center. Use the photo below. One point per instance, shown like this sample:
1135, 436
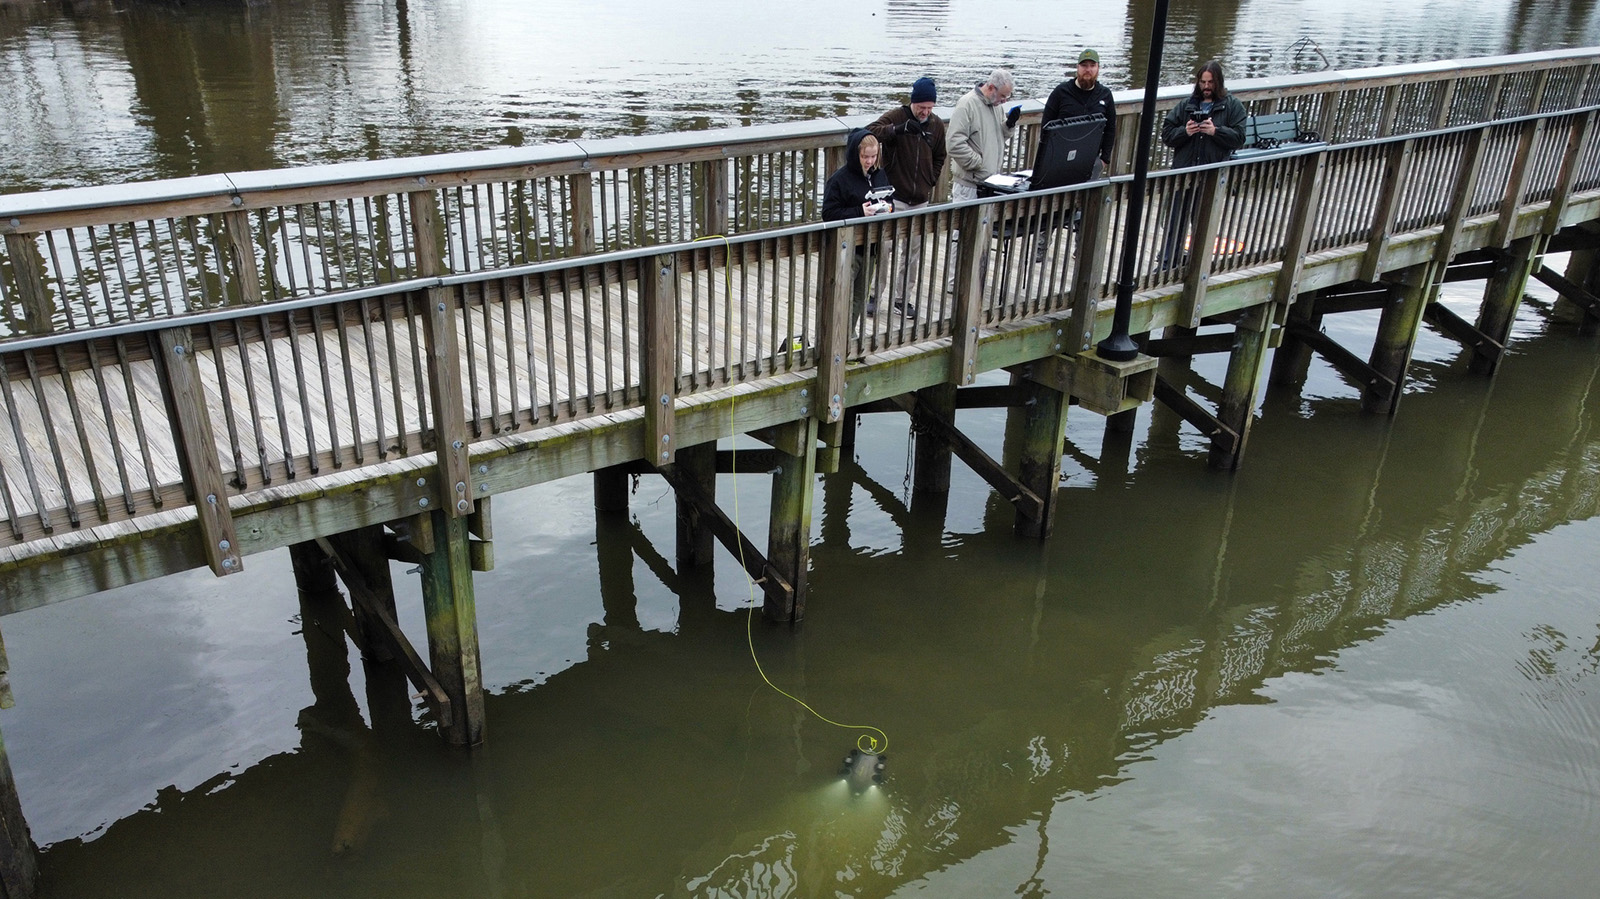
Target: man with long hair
1204, 128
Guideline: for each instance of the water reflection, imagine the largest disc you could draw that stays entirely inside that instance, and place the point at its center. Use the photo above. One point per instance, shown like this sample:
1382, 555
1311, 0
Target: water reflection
108, 91
1010, 675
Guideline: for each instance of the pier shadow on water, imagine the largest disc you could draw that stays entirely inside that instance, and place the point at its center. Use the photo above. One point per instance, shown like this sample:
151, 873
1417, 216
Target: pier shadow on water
1011, 676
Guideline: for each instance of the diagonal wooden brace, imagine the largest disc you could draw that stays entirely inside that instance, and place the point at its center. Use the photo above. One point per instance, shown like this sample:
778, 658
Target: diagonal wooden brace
1026, 501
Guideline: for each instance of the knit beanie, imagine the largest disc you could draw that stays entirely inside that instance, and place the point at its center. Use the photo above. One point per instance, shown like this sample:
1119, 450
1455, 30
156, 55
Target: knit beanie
923, 91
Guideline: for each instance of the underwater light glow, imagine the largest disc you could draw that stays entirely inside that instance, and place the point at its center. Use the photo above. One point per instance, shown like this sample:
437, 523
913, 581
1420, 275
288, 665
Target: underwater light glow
863, 770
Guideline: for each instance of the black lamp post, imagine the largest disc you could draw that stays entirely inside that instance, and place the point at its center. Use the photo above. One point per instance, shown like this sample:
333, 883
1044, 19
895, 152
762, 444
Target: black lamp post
1119, 347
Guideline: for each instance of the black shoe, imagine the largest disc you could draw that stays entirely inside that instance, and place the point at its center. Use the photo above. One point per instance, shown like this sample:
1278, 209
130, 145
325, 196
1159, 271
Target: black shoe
906, 309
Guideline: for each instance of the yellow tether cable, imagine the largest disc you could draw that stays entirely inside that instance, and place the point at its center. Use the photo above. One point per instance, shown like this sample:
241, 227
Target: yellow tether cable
865, 742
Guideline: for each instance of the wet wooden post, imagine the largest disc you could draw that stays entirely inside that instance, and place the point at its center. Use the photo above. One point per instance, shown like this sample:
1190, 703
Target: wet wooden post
1410, 291
1502, 295
388, 696
38, 310
611, 490
450, 608
1034, 431
1583, 268
19, 858
930, 472
696, 542
447, 595
789, 534
312, 573
1239, 386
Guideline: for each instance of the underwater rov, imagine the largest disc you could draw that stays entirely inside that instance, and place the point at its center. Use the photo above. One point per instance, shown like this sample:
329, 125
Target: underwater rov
863, 769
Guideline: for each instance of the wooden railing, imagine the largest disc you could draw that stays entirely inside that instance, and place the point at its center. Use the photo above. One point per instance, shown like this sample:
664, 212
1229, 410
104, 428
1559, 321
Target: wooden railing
85, 258
118, 421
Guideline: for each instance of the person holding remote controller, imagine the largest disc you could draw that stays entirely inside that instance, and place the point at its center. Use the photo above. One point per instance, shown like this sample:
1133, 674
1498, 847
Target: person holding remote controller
859, 188
1204, 128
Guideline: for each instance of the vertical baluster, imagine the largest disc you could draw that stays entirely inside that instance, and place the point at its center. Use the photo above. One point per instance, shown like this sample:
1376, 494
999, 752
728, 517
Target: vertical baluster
75, 411
270, 349
225, 391
531, 354
338, 312
139, 434
252, 396
50, 437
551, 361
25, 457
394, 377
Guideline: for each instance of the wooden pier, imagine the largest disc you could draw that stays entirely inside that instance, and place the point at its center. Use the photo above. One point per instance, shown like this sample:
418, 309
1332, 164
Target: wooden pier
352, 360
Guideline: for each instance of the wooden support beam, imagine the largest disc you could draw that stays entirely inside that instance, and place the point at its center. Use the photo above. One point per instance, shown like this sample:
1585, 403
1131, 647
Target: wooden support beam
1194, 345
364, 551
1034, 431
833, 322
789, 529
1351, 302
1459, 328
443, 358
1236, 410
384, 629
1391, 106
240, 250
658, 310
1292, 362
580, 212
1026, 501
451, 611
38, 310
1348, 363
1465, 188
1502, 296
19, 858
1302, 220
695, 542
1202, 248
714, 206
779, 594
997, 396
1469, 271
1088, 275
931, 461
1568, 290
611, 489
1567, 175
748, 461
191, 431
967, 314
1398, 327
1395, 167
1192, 412
1517, 182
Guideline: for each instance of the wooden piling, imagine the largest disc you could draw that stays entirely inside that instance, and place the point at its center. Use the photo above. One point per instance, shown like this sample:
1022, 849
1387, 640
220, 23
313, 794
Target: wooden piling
1237, 408
1292, 362
1033, 440
789, 534
448, 603
931, 463
312, 573
1410, 290
611, 490
1502, 295
696, 541
388, 697
19, 859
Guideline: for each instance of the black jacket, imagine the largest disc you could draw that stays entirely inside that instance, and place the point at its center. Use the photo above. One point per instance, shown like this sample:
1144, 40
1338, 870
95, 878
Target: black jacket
847, 188
1227, 114
1069, 101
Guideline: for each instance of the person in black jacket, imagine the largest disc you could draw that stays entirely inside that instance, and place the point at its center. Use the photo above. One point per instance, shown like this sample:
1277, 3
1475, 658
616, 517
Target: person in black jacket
1085, 95
1205, 128
858, 188
1079, 96
913, 157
